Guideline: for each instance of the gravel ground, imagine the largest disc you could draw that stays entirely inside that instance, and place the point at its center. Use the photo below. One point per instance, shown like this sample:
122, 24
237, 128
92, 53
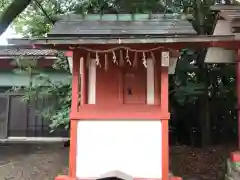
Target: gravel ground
46, 161
31, 161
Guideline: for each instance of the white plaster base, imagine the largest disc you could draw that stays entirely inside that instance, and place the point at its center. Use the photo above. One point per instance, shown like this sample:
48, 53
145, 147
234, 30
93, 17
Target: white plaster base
133, 147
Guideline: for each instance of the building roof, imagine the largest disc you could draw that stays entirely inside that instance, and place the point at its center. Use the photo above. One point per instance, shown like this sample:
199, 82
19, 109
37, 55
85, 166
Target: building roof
14, 51
227, 23
121, 25
68, 42
228, 12
71, 31
219, 7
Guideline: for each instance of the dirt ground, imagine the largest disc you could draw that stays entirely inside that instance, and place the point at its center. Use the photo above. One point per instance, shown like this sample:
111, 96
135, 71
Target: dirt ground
45, 161
208, 163
32, 162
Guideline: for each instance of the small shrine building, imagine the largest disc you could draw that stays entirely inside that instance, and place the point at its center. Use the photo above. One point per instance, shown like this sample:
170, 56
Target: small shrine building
120, 65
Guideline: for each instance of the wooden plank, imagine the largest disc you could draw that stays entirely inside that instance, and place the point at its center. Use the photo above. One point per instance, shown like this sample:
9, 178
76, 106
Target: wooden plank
235, 24
220, 7
124, 23
138, 40
223, 27
4, 107
141, 112
136, 29
230, 15
220, 55
122, 28
172, 65
13, 46
60, 28
38, 119
110, 32
18, 117
31, 120
98, 30
237, 36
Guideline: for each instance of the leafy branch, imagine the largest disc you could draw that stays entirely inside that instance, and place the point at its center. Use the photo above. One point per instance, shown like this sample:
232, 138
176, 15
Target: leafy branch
41, 87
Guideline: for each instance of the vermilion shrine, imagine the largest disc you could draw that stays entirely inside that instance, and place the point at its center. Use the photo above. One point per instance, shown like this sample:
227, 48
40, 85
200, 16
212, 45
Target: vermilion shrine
119, 121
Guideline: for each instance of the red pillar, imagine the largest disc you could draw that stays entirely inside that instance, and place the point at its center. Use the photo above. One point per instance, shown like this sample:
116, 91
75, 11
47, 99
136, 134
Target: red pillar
74, 108
238, 93
164, 108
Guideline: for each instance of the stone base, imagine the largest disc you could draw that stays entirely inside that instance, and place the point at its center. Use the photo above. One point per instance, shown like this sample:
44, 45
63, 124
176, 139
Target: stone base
71, 178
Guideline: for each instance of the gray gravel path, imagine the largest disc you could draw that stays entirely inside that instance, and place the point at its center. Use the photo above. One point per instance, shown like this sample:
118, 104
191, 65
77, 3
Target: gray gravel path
32, 162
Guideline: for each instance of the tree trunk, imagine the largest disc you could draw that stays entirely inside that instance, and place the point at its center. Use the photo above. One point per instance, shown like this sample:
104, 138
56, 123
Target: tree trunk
205, 121
204, 112
11, 12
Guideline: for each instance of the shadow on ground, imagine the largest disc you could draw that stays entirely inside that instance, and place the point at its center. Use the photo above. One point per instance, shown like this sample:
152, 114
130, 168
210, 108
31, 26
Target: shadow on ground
32, 161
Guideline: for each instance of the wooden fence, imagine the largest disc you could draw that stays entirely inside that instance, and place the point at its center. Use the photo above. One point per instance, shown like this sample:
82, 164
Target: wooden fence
18, 119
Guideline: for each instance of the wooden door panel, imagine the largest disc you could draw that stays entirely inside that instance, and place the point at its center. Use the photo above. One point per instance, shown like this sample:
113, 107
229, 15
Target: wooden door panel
134, 86
4, 104
18, 120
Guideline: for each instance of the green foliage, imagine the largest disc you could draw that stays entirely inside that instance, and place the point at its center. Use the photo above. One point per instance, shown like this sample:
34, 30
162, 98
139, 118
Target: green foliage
186, 87
9, 12
57, 94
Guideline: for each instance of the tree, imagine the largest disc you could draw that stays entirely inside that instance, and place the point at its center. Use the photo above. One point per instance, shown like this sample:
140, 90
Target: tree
13, 10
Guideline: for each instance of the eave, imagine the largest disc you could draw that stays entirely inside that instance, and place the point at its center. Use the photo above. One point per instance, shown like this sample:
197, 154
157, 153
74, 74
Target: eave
67, 43
220, 7
230, 15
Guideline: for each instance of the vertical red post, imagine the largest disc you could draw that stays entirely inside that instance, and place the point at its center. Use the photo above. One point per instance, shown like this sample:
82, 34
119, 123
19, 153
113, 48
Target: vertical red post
164, 108
238, 93
74, 108
75, 81
83, 82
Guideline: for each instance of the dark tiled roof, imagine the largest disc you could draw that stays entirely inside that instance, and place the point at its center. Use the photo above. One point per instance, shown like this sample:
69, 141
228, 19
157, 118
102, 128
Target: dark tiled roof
27, 52
124, 25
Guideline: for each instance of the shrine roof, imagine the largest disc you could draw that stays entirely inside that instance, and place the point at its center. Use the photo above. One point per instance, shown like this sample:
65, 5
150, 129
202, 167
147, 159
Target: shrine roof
121, 25
52, 42
25, 51
220, 7
228, 12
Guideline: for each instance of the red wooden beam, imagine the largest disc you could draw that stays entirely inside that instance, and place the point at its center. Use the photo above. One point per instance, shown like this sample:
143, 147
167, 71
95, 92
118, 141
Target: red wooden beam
83, 81
177, 46
120, 112
164, 107
238, 93
68, 53
73, 124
